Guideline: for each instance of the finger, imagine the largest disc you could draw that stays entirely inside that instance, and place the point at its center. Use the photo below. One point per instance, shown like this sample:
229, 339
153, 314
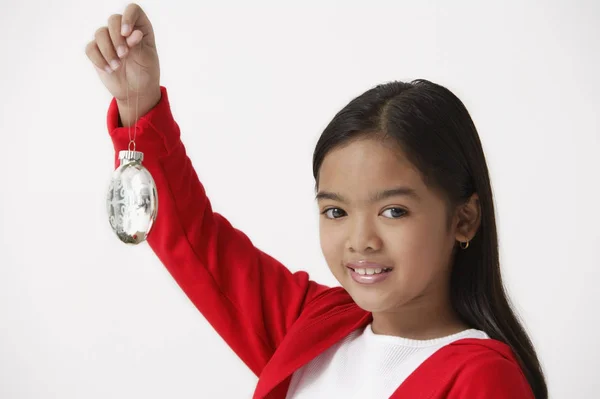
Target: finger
135, 18
106, 47
93, 53
134, 38
114, 30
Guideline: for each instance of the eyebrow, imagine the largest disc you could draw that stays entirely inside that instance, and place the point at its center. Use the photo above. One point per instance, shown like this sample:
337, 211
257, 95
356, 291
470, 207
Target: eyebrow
381, 195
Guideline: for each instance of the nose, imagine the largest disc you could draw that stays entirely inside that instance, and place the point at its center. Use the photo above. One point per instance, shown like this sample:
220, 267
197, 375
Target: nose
363, 236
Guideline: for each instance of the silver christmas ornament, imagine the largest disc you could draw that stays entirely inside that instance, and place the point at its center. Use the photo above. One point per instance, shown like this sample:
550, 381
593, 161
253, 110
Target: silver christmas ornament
132, 201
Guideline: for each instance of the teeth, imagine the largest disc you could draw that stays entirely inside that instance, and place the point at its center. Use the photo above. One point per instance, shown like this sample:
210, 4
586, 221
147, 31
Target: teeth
370, 271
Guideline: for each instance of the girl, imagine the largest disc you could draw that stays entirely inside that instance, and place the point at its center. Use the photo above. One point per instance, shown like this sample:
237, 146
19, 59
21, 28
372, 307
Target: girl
407, 227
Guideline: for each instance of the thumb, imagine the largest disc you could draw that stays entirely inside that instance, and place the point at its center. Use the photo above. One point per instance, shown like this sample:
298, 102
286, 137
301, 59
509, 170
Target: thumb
134, 38
135, 20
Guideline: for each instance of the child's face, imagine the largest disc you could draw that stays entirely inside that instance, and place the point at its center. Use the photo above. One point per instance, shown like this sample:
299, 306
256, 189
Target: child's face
406, 233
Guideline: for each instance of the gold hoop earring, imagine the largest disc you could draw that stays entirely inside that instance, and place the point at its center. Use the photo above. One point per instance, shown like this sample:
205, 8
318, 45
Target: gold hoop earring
464, 245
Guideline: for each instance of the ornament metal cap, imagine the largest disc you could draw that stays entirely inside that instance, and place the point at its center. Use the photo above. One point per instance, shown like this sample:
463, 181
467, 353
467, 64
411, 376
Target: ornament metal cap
128, 156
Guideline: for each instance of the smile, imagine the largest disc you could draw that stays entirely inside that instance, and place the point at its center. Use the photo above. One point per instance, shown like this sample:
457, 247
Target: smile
367, 272
371, 271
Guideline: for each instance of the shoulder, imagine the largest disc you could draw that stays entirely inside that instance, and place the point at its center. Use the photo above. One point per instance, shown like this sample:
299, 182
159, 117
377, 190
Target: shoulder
487, 368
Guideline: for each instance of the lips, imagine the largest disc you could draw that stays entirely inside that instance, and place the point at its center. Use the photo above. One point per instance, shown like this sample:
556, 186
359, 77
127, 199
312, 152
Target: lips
365, 272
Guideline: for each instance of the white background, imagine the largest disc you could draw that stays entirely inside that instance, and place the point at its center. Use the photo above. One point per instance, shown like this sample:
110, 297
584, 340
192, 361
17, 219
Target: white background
252, 87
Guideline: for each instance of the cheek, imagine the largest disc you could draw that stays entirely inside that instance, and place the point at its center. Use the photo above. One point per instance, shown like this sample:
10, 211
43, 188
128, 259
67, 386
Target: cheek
413, 247
419, 248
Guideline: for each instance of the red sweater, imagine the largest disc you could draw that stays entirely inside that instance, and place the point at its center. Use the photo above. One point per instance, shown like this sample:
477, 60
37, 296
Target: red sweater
277, 321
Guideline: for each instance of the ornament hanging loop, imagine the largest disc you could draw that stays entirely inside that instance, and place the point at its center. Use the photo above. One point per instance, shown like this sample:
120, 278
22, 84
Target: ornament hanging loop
131, 144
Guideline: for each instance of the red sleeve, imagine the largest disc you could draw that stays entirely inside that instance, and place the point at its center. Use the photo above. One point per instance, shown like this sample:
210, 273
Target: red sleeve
491, 377
247, 296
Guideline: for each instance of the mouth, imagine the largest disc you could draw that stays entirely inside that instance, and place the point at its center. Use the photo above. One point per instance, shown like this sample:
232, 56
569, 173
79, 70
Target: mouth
368, 272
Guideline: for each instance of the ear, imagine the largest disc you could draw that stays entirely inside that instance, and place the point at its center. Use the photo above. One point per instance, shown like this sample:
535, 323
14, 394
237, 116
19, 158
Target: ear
469, 219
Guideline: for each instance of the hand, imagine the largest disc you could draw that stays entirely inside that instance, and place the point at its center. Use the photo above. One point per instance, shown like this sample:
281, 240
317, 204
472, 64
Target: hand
127, 72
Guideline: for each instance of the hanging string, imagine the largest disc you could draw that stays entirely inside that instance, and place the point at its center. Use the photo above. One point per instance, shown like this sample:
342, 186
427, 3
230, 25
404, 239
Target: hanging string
132, 141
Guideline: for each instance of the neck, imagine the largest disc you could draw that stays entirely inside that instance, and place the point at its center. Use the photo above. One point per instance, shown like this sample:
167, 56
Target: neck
422, 319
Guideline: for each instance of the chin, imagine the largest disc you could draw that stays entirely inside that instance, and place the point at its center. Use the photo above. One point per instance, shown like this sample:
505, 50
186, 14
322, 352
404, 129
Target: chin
370, 300
373, 305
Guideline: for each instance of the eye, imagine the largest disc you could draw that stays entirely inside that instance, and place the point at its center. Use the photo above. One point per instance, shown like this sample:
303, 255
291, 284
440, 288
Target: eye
333, 213
394, 213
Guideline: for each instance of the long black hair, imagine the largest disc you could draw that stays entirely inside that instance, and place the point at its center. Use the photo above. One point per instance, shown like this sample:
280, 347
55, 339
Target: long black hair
436, 132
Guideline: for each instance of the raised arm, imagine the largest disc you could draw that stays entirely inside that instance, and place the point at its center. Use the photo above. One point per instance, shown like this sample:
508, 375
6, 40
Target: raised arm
247, 296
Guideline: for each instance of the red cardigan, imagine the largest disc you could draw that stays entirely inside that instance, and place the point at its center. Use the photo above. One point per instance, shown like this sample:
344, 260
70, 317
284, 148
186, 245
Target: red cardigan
277, 321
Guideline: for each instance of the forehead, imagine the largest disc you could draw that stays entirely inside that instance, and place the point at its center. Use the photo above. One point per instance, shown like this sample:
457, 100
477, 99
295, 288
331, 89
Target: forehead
368, 164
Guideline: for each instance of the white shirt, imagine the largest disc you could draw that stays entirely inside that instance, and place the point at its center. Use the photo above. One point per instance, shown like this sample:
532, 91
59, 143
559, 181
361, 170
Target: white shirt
366, 365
